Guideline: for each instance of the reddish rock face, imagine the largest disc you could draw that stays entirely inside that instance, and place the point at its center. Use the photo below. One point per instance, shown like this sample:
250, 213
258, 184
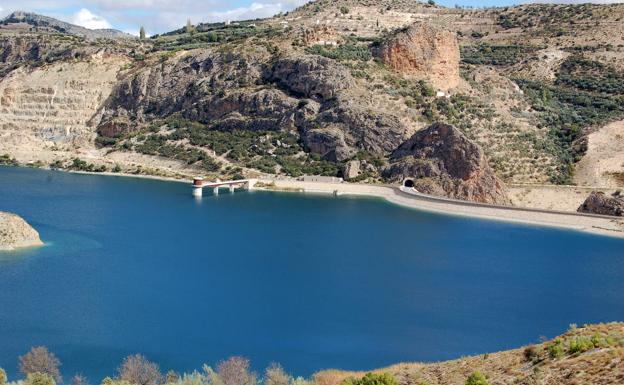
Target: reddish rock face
600, 203
444, 162
425, 51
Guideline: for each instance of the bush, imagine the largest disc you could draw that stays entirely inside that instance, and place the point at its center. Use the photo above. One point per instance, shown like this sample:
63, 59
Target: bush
556, 350
372, 379
39, 379
275, 375
343, 52
39, 360
580, 345
137, 369
531, 353
235, 371
476, 378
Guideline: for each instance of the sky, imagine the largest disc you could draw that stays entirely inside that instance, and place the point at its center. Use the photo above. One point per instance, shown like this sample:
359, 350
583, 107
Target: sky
159, 16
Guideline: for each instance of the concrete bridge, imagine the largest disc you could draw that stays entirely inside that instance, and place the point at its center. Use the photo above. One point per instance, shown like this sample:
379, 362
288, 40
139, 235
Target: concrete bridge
199, 184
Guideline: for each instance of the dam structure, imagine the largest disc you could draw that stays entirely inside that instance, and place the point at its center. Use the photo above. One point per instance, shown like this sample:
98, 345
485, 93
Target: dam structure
199, 184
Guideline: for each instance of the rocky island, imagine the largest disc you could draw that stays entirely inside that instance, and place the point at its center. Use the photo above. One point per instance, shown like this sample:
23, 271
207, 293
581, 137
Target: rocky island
16, 233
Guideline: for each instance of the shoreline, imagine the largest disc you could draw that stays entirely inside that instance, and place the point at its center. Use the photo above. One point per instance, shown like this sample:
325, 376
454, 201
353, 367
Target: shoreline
586, 223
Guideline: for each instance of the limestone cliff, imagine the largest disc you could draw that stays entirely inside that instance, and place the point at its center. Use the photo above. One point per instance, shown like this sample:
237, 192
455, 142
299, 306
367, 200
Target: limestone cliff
16, 233
425, 51
444, 162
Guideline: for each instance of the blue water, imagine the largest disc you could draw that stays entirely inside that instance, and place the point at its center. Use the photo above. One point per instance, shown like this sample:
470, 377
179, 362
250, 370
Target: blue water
312, 282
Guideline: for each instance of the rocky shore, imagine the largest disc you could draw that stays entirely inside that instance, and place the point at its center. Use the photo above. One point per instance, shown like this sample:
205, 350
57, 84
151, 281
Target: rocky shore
16, 233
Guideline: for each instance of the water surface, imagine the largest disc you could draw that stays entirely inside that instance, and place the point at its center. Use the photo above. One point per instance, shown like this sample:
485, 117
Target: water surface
312, 282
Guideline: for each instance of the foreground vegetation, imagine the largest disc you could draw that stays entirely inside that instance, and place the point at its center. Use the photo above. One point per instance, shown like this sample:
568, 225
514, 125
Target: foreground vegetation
583, 355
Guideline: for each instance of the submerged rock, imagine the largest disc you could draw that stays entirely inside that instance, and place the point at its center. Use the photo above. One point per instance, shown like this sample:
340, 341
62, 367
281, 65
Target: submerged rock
599, 203
16, 233
443, 161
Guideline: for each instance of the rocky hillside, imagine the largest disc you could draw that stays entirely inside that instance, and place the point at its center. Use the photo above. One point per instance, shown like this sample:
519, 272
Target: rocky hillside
15, 233
585, 355
444, 162
332, 88
43, 23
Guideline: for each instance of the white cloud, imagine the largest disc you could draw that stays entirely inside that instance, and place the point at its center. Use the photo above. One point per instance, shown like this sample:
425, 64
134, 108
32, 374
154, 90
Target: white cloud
87, 19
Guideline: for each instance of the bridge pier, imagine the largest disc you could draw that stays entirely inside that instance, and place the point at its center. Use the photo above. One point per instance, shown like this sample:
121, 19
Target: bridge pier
199, 184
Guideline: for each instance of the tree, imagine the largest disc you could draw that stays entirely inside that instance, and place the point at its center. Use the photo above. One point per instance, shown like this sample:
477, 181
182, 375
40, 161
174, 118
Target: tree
138, 370
235, 371
171, 377
477, 378
38, 378
142, 33
190, 29
275, 375
40, 360
431, 2
3, 377
79, 379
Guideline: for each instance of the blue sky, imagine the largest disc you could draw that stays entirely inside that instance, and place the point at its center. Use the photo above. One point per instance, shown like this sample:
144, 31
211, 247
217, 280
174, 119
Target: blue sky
164, 15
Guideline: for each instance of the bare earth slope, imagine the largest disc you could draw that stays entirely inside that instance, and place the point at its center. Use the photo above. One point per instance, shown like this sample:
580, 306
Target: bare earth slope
587, 355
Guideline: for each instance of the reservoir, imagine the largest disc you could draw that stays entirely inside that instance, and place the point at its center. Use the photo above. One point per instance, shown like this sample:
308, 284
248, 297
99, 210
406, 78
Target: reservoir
309, 281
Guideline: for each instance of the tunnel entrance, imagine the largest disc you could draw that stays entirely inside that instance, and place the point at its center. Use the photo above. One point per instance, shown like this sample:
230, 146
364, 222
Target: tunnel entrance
409, 183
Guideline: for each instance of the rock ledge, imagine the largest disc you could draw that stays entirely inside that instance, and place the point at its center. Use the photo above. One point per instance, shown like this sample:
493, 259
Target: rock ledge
15, 233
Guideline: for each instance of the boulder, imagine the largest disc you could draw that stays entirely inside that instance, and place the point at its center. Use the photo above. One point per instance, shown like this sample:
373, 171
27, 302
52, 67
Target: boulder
425, 51
351, 169
443, 161
16, 233
600, 203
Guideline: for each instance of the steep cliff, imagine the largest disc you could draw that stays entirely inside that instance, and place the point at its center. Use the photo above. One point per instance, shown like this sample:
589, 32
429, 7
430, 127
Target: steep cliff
443, 161
425, 51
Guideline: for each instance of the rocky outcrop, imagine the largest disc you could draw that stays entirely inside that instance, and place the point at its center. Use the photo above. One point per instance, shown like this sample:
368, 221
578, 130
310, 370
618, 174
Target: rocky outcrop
599, 203
307, 94
312, 77
16, 233
442, 161
425, 51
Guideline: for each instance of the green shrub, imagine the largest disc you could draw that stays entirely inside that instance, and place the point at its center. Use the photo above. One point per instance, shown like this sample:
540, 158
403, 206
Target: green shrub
580, 345
372, 379
477, 378
556, 350
39, 379
343, 52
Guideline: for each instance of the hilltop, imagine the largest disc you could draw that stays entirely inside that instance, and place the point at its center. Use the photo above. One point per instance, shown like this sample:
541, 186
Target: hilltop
331, 88
44, 24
